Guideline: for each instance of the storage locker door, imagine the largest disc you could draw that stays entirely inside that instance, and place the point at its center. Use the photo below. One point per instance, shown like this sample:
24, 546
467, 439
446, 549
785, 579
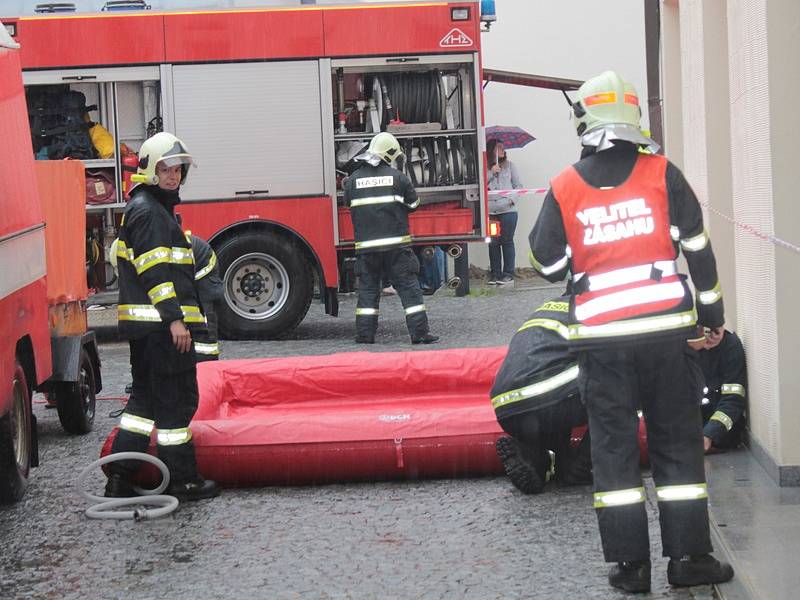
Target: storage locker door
250, 126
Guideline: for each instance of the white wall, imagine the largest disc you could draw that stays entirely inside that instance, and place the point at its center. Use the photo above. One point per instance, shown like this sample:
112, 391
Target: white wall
577, 39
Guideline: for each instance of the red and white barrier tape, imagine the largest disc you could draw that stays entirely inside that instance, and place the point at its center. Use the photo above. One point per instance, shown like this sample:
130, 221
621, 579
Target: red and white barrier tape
752, 230
517, 192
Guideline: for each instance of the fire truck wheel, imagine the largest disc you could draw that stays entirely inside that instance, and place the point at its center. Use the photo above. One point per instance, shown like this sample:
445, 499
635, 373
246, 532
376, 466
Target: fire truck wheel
268, 286
16, 440
76, 400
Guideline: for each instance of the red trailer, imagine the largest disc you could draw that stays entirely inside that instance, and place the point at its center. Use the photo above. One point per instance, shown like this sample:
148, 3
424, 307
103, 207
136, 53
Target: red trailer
274, 103
45, 344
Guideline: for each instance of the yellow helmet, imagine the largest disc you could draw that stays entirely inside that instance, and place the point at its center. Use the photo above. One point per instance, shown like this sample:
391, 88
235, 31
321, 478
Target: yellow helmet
385, 146
606, 100
162, 147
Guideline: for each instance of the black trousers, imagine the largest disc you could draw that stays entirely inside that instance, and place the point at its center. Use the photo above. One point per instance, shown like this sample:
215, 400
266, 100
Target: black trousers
402, 267
549, 428
165, 397
663, 378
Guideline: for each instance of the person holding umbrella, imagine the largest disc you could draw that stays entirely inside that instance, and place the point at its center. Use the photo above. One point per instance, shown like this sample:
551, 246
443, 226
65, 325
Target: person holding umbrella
502, 208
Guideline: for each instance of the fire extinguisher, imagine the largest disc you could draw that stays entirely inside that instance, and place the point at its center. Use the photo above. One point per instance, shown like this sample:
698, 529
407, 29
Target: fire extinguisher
130, 163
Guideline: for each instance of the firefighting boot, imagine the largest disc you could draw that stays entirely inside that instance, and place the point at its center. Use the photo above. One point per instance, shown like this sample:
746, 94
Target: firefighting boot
199, 489
428, 338
518, 466
633, 576
119, 486
697, 570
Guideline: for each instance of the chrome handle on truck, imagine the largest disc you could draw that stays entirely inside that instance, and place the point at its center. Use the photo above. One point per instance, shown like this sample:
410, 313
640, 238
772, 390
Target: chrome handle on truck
251, 192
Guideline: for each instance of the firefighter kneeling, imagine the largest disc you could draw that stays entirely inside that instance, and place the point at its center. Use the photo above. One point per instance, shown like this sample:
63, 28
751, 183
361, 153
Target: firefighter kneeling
159, 309
535, 397
380, 198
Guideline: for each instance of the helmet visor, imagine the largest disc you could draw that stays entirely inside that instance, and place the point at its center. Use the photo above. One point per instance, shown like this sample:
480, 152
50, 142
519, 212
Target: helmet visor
180, 159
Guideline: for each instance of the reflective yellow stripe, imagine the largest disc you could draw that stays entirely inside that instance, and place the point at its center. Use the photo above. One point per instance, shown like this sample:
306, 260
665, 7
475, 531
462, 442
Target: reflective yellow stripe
720, 416
136, 424
162, 292
634, 326
152, 258
182, 256
626, 298
415, 309
732, 388
392, 241
207, 349
123, 251
149, 313
173, 437
696, 243
547, 269
212, 262
618, 498
375, 200
536, 389
672, 493
710, 296
551, 324
366, 312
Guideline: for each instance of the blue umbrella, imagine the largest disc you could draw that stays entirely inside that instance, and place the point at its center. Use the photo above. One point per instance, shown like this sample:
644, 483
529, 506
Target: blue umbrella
510, 137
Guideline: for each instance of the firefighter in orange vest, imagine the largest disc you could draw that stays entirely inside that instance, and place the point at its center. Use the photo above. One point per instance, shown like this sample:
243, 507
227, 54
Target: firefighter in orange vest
617, 220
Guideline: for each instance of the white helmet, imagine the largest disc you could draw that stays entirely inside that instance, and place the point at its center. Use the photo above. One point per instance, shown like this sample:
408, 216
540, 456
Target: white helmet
164, 148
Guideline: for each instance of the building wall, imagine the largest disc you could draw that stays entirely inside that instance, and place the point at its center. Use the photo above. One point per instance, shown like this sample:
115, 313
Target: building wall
578, 40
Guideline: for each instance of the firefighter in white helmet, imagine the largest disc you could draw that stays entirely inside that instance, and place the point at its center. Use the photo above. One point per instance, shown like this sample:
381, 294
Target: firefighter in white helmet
380, 198
617, 220
159, 310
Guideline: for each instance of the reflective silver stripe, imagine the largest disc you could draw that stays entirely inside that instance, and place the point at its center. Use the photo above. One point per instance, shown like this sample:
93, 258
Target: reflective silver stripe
136, 424
207, 349
536, 389
415, 309
626, 298
720, 416
149, 313
710, 296
633, 326
414, 204
375, 200
22, 258
123, 251
618, 497
162, 292
182, 256
366, 312
548, 269
602, 281
152, 258
696, 243
692, 491
732, 388
212, 262
675, 233
384, 242
173, 437
550, 324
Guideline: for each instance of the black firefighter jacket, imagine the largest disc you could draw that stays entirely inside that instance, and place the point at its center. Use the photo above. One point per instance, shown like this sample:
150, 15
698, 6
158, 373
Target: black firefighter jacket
538, 370
380, 199
156, 269
723, 404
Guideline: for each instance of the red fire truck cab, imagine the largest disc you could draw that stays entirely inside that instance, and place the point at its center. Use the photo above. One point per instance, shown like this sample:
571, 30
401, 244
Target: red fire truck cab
274, 104
45, 344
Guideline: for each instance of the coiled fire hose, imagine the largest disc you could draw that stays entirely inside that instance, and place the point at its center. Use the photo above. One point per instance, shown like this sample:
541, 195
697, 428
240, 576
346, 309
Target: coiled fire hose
149, 504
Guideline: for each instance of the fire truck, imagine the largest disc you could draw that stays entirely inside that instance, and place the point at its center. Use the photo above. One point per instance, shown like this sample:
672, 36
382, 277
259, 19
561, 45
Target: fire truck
45, 344
274, 103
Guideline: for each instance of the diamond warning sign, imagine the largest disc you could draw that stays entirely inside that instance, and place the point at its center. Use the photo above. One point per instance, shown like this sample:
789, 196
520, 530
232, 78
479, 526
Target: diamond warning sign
455, 39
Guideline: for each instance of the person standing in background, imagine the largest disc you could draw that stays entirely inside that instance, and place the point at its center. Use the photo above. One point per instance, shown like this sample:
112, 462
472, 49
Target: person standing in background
502, 176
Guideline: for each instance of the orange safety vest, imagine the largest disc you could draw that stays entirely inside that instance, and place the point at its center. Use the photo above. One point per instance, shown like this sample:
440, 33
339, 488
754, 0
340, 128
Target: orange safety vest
623, 258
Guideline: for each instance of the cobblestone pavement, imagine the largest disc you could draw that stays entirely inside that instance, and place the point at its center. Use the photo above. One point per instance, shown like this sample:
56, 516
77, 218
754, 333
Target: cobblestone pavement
472, 538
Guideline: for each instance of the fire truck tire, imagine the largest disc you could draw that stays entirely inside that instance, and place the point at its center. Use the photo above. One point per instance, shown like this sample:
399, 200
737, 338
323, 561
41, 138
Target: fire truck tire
16, 440
268, 286
76, 401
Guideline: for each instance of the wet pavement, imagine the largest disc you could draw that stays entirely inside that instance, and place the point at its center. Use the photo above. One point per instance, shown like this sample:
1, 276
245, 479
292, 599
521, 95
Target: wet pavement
470, 538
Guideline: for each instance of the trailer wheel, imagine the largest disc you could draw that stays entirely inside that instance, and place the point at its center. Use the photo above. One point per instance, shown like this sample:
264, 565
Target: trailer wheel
76, 400
16, 439
268, 287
